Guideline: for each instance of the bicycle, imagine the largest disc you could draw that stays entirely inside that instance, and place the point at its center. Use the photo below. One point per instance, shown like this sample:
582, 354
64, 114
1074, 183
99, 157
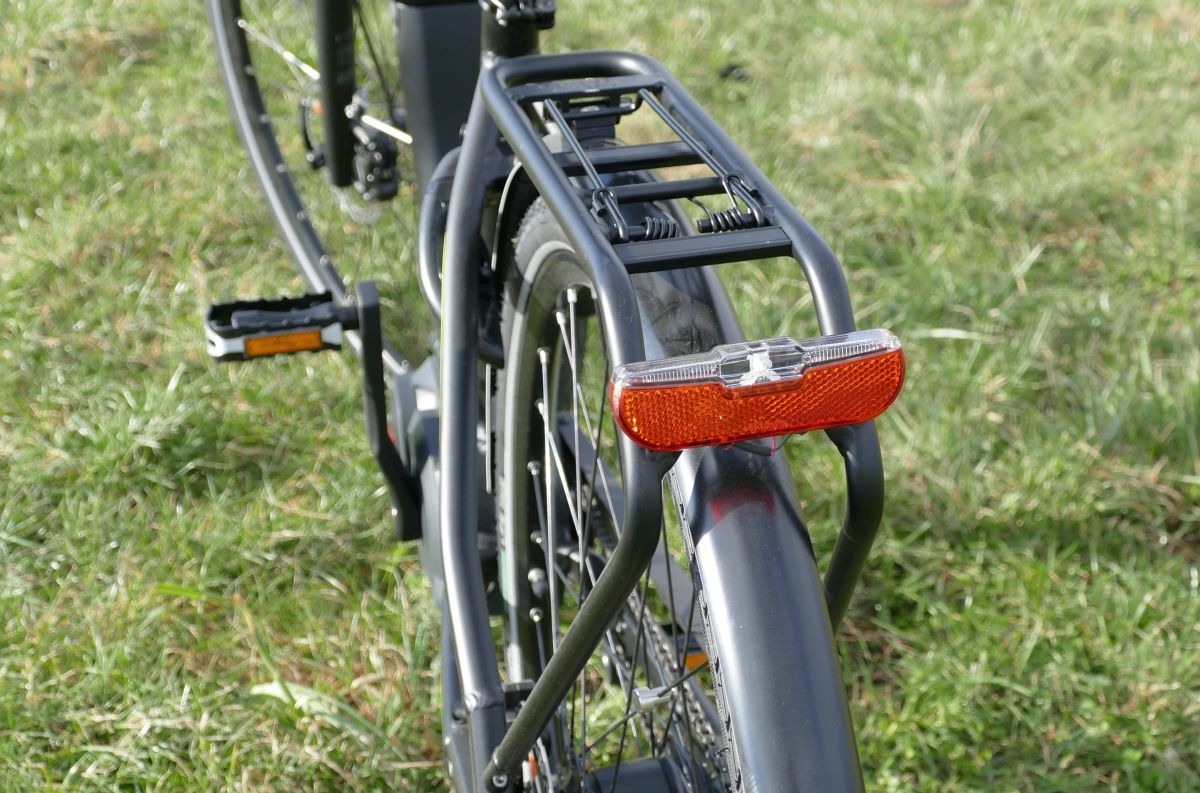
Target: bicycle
643, 648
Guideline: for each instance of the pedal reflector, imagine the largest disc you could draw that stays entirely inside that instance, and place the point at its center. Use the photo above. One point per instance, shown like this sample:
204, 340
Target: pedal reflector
282, 343
757, 389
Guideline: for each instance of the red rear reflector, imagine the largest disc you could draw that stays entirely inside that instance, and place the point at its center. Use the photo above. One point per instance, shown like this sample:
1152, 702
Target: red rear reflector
758, 389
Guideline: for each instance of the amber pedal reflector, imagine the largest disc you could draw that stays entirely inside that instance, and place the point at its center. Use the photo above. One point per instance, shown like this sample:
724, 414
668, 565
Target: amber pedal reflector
283, 343
758, 389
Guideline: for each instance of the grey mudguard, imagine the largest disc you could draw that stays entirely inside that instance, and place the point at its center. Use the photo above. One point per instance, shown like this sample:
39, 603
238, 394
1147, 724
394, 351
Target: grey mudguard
767, 622
764, 596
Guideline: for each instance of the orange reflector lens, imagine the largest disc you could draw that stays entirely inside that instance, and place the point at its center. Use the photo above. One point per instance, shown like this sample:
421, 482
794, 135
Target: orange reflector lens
758, 389
282, 343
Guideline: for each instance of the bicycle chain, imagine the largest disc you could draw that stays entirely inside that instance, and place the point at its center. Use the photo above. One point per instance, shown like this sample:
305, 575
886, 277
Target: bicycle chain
701, 727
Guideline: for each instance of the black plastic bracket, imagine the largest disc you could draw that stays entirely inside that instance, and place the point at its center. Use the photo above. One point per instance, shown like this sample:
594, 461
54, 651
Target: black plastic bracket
375, 408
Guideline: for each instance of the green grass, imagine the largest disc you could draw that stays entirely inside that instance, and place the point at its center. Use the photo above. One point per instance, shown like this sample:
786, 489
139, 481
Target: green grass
1013, 188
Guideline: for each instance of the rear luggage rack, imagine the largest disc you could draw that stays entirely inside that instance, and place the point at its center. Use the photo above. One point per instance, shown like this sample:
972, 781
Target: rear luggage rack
601, 198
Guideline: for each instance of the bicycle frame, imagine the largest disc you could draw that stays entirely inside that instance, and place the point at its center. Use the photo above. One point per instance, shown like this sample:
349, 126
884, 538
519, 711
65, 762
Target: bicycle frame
498, 122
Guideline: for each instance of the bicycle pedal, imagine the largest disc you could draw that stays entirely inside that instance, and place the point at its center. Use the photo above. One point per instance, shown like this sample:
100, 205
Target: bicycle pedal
242, 330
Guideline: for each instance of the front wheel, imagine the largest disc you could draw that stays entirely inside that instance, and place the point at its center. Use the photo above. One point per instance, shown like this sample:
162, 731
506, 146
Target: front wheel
267, 54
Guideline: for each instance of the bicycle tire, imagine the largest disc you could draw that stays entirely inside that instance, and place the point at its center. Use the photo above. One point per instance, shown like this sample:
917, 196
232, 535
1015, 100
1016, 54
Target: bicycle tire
266, 59
543, 267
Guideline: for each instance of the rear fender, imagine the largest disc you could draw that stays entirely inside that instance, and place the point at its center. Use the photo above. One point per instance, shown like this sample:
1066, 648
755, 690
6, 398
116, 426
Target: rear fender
766, 619
765, 614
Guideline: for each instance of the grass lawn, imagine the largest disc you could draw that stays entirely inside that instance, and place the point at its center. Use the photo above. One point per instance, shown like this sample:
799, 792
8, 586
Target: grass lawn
1014, 189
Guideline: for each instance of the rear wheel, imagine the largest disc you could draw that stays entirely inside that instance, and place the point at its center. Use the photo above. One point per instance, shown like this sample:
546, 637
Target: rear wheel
646, 710
267, 55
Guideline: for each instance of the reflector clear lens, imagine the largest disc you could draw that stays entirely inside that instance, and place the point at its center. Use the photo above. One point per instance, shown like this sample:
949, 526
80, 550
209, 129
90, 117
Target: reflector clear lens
758, 389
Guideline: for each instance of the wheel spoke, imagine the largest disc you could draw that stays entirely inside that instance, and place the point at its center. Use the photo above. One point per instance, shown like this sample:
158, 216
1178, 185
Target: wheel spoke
572, 357
297, 65
551, 530
386, 129
364, 27
555, 457
641, 631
